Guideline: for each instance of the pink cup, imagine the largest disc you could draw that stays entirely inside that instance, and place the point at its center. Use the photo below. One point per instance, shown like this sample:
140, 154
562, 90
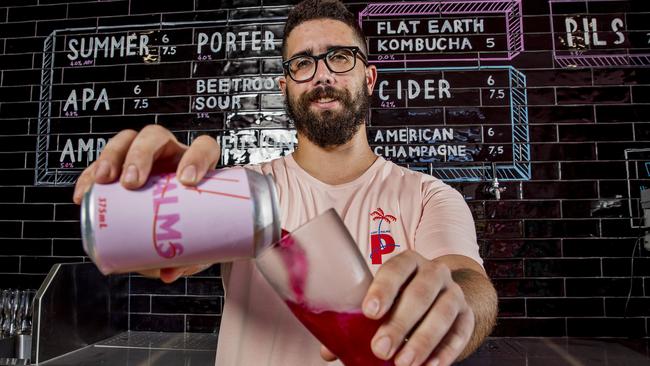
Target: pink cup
321, 275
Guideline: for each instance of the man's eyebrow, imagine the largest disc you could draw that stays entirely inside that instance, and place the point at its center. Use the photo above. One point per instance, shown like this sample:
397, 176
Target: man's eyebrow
305, 52
332, 46
310, 51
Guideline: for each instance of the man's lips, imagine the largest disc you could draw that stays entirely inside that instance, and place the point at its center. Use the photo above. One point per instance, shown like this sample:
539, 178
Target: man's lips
325, 103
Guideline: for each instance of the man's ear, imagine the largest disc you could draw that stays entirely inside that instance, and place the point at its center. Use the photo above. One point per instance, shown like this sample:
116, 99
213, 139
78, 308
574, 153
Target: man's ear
282, 83
371, 78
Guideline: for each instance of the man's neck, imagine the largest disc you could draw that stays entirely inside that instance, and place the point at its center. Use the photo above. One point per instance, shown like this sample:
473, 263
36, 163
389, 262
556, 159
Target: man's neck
335, 165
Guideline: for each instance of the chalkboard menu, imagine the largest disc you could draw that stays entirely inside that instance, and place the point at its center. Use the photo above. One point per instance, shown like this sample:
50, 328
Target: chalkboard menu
448, 100
191, 77
552, 97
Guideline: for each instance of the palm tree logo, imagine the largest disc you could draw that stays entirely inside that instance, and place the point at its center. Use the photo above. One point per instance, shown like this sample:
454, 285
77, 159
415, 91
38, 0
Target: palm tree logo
379, 214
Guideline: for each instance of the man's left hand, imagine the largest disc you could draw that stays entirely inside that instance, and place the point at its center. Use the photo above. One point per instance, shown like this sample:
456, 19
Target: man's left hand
428, 320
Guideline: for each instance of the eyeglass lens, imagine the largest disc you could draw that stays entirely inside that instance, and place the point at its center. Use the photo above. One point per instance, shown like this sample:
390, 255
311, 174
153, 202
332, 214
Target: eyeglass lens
338, 61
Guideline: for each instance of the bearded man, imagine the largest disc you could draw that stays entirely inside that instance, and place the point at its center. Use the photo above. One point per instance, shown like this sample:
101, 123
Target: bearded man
431, 288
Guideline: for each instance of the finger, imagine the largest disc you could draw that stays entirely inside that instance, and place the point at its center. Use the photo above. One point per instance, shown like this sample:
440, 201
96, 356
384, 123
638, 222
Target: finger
150, 273
169, 275
434, 327
413, 305
201, 156
84, 182
152, 143
326, 354
106, 168
109, 163
454, 343
388, 280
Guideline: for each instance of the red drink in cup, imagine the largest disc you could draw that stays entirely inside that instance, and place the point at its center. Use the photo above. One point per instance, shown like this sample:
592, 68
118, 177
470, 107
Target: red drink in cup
336, 330
322, 277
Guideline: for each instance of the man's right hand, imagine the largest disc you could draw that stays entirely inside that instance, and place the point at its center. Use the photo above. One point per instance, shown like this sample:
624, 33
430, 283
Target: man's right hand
132, 157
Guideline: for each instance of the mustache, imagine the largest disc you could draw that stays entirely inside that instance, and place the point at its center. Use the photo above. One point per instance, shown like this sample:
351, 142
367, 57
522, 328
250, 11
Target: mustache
328, 92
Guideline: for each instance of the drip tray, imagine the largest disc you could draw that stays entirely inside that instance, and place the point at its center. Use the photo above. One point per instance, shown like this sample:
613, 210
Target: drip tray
144, 348
157, 340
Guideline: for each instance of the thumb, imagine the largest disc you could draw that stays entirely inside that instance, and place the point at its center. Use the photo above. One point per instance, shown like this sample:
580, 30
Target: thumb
326, 354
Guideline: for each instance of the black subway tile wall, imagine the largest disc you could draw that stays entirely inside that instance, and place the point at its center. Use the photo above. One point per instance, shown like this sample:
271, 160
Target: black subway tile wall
554, 114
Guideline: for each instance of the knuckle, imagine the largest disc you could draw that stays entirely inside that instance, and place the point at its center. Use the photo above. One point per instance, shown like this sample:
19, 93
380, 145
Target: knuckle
441, 270
400, 264
107, 154
461, 336
409, 253
387, 268
398, 329
84, 179
119, 137
448, 311
87, 174
151, 127
467, 314
420, 290
429, 271
457, 291
127, 133
79, 187
156, 129
204, 139
391, 266
207, 145
135, 152
420, 343
387, 291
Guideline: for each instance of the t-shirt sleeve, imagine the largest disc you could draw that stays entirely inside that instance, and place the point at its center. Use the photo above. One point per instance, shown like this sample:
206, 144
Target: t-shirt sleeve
446, 225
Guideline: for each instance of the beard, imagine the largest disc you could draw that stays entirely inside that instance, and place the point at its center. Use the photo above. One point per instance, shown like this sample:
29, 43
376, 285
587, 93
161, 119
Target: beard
328, 128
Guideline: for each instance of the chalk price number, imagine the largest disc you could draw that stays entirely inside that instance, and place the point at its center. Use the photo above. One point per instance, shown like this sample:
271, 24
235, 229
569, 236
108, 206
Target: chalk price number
495, 93
139, 103
495, 150
168, 50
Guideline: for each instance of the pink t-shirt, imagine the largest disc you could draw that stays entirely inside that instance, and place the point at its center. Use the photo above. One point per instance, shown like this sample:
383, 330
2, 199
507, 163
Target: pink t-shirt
430, 217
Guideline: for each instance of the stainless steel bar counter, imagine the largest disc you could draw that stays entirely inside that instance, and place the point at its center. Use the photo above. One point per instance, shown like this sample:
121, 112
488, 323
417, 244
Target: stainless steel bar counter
144, 348
80, 318
176, 349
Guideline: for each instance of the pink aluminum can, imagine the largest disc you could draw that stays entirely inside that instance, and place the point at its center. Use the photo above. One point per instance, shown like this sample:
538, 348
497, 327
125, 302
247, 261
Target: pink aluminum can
232, 213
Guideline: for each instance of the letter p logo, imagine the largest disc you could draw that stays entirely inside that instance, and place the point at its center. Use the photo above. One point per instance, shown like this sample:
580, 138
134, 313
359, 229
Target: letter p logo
381, 244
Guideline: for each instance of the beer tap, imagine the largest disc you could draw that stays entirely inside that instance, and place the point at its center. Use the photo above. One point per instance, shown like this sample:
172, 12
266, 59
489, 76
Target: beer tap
494, 188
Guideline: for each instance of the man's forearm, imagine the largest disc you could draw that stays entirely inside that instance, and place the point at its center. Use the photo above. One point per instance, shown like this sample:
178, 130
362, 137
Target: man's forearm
482, 298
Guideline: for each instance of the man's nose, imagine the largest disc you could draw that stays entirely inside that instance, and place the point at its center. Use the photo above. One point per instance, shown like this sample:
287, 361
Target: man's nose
323, 74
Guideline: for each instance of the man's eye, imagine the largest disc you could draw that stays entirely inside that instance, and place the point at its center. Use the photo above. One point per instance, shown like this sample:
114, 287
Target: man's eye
301, 64
340, 56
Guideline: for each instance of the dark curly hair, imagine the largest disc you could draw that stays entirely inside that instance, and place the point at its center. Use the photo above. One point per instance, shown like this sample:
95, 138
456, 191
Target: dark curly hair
321, 9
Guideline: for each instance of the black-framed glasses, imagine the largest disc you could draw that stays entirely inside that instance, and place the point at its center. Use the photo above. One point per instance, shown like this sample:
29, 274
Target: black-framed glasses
302, 68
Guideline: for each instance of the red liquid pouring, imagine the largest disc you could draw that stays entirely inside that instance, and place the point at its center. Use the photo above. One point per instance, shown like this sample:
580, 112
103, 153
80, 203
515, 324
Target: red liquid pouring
347, 335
